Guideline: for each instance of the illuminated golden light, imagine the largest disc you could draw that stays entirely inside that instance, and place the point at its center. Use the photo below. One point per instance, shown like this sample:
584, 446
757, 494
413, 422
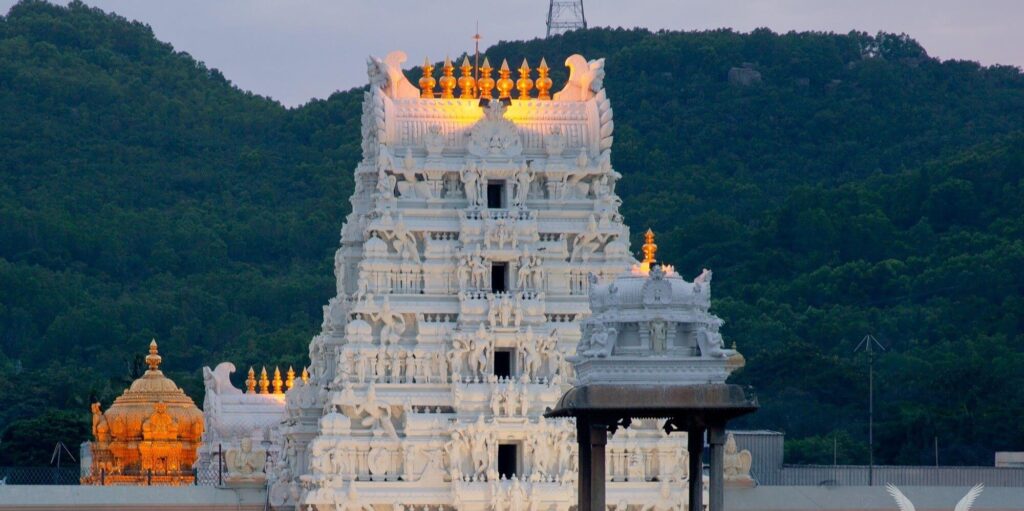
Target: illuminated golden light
264, 381
250, 382
505, 83
649, 249
148, 435
447, 80
305, 376
278, 382
467, 84
524, 83
427, 82
485, 83
543, 82
289, 381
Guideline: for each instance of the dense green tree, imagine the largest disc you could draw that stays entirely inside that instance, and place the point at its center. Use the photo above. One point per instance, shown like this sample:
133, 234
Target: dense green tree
860, 187
35, 441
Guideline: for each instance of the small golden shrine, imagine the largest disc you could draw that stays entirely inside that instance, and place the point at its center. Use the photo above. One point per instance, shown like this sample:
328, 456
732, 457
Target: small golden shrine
149, 435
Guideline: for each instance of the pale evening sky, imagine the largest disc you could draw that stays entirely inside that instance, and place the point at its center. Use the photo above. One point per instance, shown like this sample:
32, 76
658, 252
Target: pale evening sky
300, 49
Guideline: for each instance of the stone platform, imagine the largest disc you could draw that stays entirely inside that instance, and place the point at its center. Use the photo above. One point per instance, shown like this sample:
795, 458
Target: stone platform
124, 498
764, 498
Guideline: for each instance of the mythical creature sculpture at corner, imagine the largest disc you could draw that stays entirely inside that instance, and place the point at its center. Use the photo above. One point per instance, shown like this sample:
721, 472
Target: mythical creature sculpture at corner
585, 79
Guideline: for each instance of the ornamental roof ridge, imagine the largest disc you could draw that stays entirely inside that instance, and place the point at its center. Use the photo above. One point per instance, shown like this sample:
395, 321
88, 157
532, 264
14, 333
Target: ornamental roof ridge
586, 79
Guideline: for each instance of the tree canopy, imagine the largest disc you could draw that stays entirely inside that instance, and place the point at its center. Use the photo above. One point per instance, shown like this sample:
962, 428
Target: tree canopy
859, 186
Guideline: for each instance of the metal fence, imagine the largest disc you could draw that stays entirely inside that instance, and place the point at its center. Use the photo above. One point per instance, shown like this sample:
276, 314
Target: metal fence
766, 448
39, 475
857, 475
76, 476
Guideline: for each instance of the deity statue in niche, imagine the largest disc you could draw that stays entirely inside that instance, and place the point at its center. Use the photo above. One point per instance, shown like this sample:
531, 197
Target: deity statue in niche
245, 462
658, 332
523, 177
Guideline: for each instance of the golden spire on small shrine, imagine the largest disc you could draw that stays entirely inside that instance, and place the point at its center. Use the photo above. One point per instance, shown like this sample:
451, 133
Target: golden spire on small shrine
649, 249
505, 83
305, 375
277, 381
524, 83
264, 381
427, 82
154, 358
467, 84
485, 82
148, 435
447, 80
250, 382
543, 82
289, 381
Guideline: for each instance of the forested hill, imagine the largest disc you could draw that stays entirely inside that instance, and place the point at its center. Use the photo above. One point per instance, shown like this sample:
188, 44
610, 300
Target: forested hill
838, 185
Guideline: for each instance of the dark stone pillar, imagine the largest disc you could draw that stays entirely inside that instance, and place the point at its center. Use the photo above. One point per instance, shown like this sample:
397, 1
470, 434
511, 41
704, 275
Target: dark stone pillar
716, 483
592, 437
695, 445
583, 489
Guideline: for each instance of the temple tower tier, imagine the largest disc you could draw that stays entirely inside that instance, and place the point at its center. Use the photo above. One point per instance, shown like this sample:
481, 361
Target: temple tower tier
478, 225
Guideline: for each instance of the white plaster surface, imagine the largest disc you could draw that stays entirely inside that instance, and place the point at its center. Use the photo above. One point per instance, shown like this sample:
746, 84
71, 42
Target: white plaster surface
764, 498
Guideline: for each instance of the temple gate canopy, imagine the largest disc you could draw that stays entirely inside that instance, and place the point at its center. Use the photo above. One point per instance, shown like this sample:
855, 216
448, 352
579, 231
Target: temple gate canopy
651, 349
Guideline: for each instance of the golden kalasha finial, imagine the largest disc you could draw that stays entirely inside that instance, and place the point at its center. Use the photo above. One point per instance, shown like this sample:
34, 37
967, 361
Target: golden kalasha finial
649, 250
543, 82
524, 83
485, 82
427, 82
467, 84
505, 83
447, 80
289, 380
264, 381
277, 381
250, 382
305, 376
154, 358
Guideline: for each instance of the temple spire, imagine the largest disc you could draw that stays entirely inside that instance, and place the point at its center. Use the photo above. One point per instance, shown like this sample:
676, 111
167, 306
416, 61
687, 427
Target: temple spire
649, 250
154, 358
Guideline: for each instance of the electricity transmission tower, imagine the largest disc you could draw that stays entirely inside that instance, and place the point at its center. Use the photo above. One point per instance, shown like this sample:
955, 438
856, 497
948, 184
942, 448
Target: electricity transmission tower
564, 16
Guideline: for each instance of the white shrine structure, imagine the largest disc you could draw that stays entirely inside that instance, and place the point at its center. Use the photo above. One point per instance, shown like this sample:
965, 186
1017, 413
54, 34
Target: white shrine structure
478, 226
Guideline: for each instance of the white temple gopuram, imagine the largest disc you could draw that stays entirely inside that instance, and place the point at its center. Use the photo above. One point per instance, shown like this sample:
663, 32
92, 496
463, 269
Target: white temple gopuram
477, 225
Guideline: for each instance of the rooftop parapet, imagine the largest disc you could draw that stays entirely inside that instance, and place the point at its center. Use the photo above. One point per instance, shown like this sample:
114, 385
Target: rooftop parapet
586, 78
404, 117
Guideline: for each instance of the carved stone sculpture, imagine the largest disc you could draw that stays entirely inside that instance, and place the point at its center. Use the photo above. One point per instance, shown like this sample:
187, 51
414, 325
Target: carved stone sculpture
471, 181
494, 136
737, 464
245, 464
376, 415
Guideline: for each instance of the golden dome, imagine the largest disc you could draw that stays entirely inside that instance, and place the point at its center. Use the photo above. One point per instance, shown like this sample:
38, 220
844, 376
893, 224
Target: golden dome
153, 426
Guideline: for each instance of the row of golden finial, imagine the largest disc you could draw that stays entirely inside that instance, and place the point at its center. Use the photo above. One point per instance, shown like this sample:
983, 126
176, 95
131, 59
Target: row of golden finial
279, 385
482, 86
